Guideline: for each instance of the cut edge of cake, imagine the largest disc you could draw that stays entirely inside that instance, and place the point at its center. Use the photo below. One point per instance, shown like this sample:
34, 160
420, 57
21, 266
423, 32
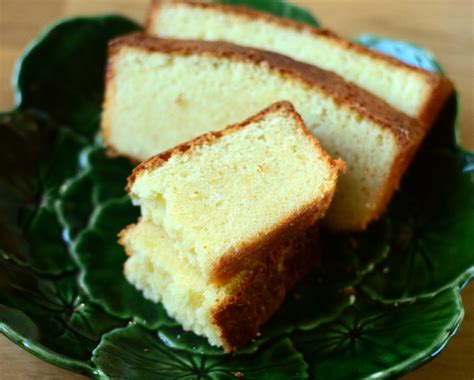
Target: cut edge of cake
229, 310
439, 87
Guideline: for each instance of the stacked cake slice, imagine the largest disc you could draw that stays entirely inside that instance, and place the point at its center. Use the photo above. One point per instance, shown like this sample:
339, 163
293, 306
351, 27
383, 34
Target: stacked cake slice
221, 237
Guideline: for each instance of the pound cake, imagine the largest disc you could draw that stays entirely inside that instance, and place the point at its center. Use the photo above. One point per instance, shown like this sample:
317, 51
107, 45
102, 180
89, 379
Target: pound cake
160, 93
418, 93
219, 216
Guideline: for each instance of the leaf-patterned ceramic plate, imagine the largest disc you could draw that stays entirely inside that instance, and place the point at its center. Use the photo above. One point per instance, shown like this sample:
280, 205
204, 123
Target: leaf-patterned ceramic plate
383, 302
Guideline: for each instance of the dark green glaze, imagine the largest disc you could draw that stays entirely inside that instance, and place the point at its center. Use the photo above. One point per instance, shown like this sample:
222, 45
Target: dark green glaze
55, 191
96, 198
279, 8
327, 291
101, 178
134, 352
370, 340
35, 158
101, 260
70, 84
432, 236
175, 337
50, 317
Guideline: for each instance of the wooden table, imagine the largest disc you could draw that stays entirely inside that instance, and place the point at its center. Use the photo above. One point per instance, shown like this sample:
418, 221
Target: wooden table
445, 27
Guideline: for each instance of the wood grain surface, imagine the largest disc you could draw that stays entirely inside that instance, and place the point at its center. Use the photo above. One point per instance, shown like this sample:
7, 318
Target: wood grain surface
445, 27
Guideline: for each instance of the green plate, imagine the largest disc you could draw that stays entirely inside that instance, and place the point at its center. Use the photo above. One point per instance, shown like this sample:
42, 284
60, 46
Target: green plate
382, 303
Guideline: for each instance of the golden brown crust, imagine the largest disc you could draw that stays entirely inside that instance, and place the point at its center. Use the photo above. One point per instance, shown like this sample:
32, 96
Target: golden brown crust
361, 102
244, 256
261, 293
441, 90
441, 87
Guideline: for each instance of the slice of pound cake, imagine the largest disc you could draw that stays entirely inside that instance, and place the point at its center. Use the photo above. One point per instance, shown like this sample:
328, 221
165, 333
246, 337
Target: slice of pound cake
417, 92
221, 236
160, 93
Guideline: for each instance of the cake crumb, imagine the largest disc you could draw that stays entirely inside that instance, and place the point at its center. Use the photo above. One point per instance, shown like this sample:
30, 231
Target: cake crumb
180, 100
239, 375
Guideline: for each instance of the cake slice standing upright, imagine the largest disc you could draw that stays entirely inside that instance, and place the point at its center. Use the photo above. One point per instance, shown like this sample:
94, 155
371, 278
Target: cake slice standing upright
220, 238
